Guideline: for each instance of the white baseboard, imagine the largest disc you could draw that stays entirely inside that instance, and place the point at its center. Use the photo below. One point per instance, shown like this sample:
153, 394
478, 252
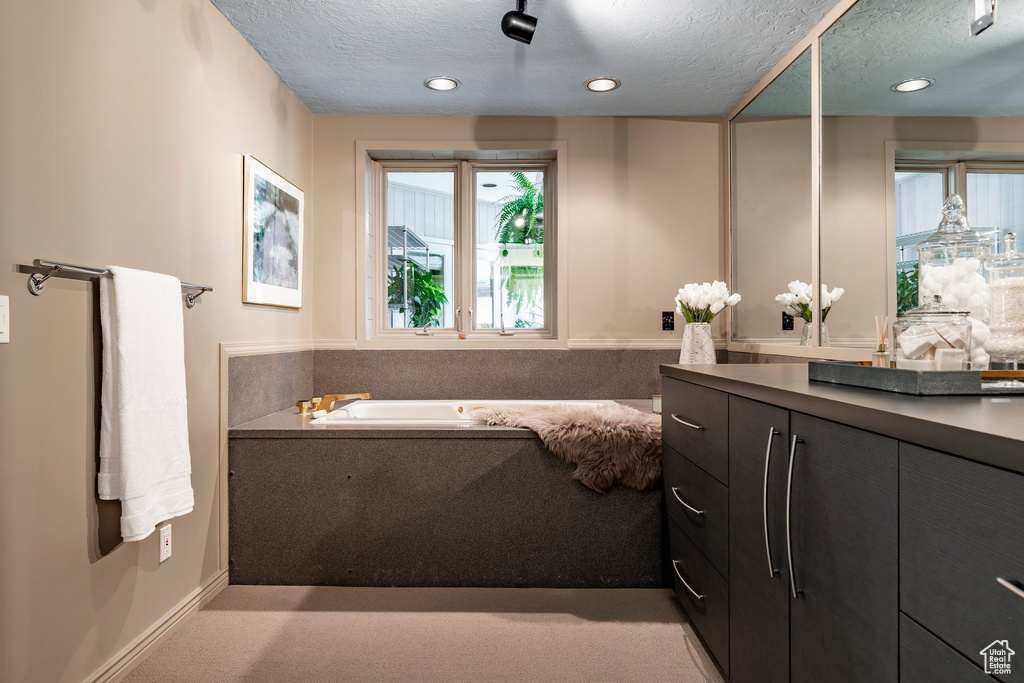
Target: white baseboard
131, 656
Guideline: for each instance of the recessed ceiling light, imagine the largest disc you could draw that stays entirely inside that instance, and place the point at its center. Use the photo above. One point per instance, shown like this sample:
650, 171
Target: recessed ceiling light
602, 84
913, 84
490, 185
441, 83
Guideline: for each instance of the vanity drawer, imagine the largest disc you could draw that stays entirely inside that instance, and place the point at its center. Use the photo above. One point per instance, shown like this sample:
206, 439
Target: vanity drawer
688, 485
695, 422
961, 529
926, 659
709, 612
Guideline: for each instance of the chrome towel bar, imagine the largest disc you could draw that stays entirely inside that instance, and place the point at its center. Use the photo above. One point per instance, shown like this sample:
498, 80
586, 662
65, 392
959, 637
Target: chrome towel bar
37, 280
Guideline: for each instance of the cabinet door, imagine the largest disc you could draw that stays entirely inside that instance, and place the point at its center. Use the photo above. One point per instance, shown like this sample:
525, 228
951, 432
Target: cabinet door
759, 578
962, 552
844, 624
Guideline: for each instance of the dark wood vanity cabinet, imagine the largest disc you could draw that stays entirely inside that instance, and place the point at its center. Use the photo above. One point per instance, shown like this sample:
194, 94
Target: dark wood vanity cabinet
844, 619
813, 528
870, 538
759, 575
962, 552
815, 496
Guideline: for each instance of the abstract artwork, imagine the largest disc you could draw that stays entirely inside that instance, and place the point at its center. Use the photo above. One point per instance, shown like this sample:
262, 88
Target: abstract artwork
272, 258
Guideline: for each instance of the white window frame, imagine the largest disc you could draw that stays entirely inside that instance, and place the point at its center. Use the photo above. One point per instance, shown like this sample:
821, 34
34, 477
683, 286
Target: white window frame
465, 332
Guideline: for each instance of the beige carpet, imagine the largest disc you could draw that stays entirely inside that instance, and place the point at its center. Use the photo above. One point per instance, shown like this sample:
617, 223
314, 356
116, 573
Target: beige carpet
277, 634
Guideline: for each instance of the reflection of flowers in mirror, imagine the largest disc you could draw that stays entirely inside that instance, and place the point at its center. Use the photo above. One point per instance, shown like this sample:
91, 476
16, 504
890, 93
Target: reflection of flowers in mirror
700, 303
798, 299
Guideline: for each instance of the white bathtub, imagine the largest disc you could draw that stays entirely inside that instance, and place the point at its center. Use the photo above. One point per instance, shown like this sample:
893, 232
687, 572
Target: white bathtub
436, 413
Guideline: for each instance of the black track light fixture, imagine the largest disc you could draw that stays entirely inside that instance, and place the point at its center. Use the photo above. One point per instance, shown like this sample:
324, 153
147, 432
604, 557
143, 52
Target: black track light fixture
518, 25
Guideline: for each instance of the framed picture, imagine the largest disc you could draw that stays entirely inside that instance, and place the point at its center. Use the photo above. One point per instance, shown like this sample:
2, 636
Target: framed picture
272, 239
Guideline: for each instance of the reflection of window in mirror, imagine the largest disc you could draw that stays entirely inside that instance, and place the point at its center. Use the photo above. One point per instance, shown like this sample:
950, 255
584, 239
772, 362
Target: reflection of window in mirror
963, 133
993, 193
995, 200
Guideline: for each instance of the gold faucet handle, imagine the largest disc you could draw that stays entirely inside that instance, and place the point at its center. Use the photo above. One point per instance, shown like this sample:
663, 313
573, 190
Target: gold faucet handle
327, 402
304, 407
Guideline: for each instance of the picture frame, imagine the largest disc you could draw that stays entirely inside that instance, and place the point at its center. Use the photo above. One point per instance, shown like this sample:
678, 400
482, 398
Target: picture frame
272, 237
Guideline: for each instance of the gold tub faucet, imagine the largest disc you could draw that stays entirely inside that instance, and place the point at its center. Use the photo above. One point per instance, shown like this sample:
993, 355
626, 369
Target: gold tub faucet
326, 402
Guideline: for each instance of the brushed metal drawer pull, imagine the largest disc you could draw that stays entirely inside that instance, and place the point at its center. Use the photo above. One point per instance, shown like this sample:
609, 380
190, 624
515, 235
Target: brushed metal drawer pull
694, 593
675, 492
772, 433
789, 512
684, 422
1016, 590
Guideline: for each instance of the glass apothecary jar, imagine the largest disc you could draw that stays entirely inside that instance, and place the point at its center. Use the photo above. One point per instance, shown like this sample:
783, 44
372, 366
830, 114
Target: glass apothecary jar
932, 337
952, 265
1006, 286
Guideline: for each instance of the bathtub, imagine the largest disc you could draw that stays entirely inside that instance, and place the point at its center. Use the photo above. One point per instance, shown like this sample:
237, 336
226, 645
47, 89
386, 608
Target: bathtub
433, 413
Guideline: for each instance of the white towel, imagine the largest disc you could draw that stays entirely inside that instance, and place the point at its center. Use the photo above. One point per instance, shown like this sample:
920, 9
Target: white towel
144, 456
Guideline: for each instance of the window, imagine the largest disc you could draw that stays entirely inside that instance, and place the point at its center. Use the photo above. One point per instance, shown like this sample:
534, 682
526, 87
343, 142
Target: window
463, 249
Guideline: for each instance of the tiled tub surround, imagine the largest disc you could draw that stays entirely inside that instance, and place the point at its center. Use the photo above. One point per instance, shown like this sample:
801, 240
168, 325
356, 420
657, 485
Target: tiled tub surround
484, 506
262, 384
266, 383
494, 373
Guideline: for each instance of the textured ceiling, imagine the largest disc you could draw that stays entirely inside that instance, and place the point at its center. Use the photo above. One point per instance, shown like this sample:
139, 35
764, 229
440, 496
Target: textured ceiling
881, 42
674, 57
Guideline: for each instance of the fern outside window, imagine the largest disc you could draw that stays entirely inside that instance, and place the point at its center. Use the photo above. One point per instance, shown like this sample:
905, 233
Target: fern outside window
464, 249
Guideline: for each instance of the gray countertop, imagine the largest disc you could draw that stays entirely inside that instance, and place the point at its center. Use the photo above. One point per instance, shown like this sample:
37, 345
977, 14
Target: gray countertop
288, 424
988, 429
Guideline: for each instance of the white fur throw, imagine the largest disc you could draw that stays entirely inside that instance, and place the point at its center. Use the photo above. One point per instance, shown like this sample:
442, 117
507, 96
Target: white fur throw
609, 444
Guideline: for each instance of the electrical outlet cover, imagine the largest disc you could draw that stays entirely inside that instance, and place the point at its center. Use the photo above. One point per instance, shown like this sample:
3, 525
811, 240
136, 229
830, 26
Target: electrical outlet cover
165, 542
5, 319
668, 320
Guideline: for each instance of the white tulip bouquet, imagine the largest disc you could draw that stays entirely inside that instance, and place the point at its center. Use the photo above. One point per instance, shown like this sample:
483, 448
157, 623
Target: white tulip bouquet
798, 299
701, 303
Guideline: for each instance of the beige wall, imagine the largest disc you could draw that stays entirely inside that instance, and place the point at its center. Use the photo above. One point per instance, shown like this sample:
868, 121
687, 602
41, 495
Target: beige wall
771, 198
642, 210
124, 125
853, 219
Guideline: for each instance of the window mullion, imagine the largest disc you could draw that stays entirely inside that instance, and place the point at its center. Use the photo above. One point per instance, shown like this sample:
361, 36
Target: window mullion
464, 246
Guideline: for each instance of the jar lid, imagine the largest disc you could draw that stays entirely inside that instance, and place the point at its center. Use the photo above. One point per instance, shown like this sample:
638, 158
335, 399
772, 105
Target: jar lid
933, 308
1010, 258
954, 230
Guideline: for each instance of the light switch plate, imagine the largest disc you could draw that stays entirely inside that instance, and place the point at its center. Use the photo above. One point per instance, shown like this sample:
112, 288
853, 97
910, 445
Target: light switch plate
5, 319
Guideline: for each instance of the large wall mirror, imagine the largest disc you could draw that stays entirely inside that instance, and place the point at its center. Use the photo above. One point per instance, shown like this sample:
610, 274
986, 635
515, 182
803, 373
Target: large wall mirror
771, 203
888, 158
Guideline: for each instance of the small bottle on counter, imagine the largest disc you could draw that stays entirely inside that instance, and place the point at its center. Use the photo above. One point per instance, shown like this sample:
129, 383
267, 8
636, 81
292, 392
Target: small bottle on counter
880, 358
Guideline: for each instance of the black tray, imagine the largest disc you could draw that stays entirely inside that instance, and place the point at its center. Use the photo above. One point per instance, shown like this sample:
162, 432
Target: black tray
913, 382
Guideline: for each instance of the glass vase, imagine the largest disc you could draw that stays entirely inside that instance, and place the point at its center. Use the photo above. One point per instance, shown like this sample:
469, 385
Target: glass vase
807, 335
698, 347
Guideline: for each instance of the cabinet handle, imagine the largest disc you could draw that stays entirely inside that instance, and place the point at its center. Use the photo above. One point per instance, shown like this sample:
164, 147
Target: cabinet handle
675, 492
1016, 590
772, 571
684, 422
694, 593
789, 512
